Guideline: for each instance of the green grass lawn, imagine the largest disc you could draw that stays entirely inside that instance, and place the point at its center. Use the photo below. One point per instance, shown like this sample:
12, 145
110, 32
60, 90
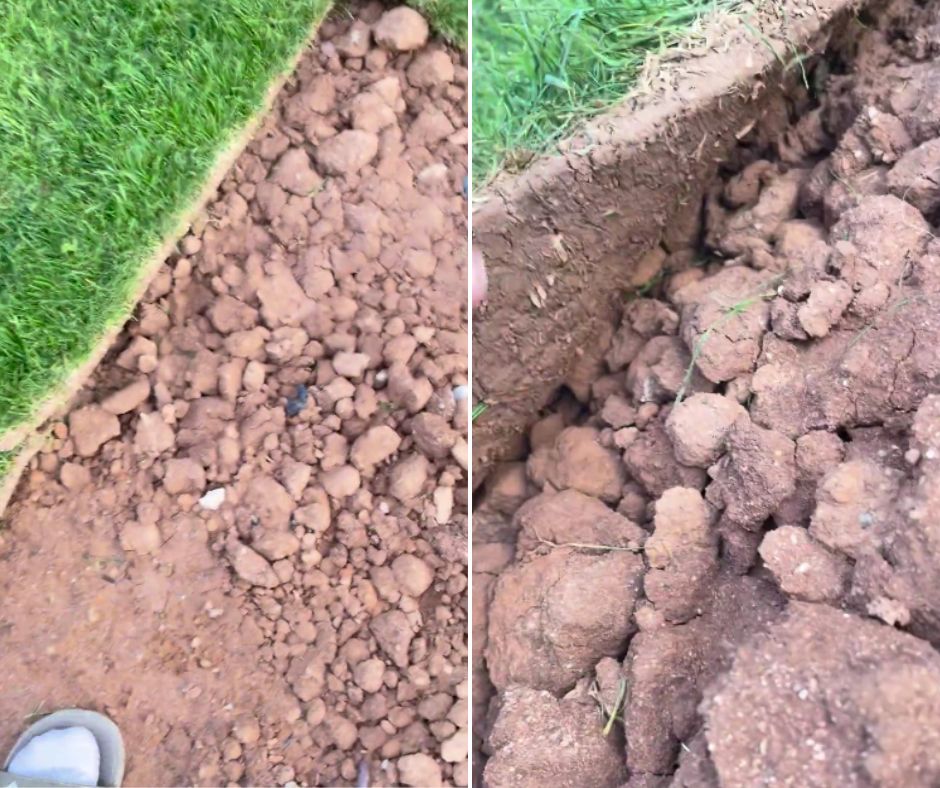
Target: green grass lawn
112, 113
541, 67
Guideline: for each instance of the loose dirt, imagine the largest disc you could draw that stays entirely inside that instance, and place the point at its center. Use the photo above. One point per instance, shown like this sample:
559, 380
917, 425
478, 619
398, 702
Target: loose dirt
718, 565
247, 542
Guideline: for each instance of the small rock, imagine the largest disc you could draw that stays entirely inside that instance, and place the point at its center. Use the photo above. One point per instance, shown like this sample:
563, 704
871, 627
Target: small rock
228, 315
617, 412
698, 427
253, 379
183, 475
294, 173
355, 42
374, 446
579, 462
252, 568
73, 476
369, 112
347, 152
443, 504
412, 574
419, 769
275, 545
128, 398
804, 568
340, 482
350, 365
827, 301
295, 476
393, 634
213, 499
433, 435
141, 538
315, 516
401, 29
369, 674
407, 477
341, 731
431, 68
269, 502
316, 712
247, 730
454, 749
154, 436
90, 427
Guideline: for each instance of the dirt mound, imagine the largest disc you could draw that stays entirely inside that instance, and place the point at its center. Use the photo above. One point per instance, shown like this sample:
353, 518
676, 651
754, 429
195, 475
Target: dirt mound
247, 542
763, 428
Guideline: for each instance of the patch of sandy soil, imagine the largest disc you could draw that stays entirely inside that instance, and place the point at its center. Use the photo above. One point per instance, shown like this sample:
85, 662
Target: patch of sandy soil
725, 534
247, 542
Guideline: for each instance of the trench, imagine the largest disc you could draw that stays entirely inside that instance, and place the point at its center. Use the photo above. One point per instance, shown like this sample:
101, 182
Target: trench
708, 558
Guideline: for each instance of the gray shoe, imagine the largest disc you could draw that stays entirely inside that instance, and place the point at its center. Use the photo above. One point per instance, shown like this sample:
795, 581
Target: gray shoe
106, 733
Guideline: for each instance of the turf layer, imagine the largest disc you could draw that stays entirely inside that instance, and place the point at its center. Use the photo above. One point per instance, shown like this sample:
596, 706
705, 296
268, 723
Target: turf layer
541, 67
112, 114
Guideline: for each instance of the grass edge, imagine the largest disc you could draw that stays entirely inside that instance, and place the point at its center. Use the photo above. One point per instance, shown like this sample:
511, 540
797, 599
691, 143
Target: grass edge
23, 439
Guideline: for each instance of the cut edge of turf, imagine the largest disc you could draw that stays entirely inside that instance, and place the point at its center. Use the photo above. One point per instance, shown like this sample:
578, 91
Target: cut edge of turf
12, 465
23, 441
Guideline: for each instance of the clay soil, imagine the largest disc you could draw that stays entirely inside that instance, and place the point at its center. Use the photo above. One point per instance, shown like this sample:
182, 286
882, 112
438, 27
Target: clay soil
719, 564
303, 355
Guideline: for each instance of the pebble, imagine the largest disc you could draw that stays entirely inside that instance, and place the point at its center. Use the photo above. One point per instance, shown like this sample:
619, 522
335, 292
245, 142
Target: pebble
213, 499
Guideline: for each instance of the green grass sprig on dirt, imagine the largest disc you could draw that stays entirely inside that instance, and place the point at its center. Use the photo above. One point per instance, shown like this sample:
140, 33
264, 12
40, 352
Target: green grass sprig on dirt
540, 68
112, 113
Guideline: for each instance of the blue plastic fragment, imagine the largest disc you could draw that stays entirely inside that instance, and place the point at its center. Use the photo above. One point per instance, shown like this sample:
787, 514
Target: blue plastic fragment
298, 402
466, 187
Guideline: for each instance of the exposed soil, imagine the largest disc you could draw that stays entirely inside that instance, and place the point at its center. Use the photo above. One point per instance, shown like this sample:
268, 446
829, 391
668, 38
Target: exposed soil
567, 238
247, 542
723, 545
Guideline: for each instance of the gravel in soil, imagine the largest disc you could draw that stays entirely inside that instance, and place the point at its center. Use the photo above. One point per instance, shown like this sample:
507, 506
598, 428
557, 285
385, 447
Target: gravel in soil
247, 542
718, 564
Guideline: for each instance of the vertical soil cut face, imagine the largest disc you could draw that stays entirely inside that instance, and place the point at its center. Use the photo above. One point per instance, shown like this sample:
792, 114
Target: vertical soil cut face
247, 542
569, 237
719, 562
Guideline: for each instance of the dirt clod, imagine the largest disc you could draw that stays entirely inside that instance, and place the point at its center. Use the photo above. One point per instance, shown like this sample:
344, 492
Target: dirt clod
401, 29
876, 688
252, 567
90, 427
419, 770
698, 427
551, 620
577, 461
538, 740
804, 568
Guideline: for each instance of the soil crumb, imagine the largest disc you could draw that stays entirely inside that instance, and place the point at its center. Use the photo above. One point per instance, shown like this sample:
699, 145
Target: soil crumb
247, 543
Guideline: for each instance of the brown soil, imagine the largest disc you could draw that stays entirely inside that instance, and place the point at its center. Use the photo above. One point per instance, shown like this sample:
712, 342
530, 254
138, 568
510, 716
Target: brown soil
737, 570
300, 353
